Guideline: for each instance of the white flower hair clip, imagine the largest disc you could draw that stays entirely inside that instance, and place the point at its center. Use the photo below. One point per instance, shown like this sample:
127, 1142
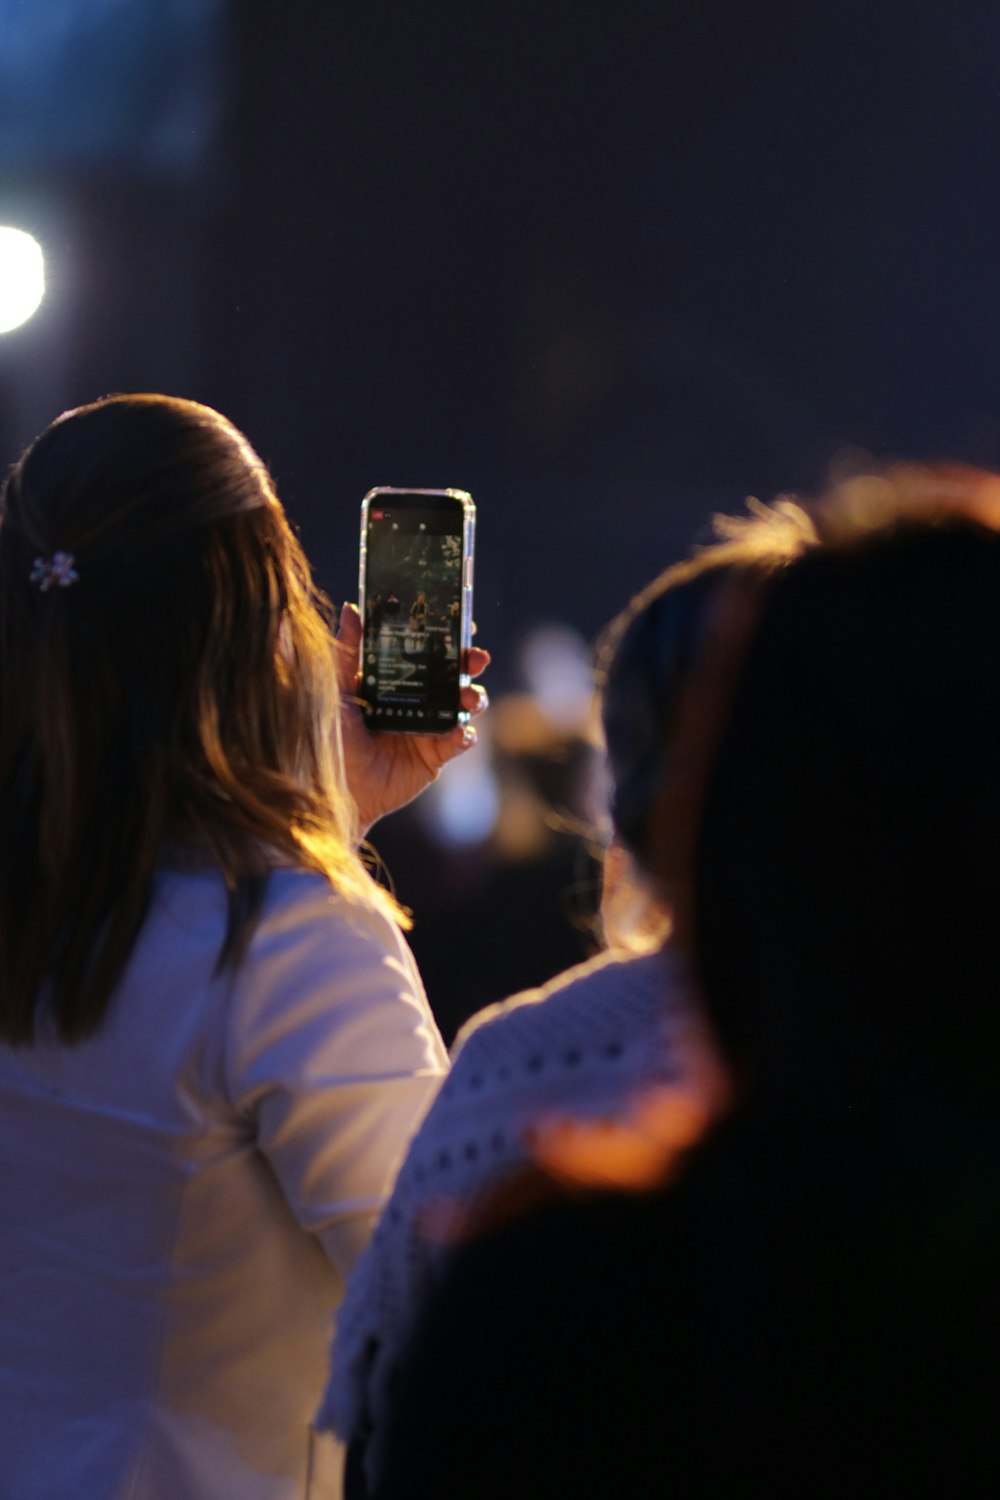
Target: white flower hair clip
57, 571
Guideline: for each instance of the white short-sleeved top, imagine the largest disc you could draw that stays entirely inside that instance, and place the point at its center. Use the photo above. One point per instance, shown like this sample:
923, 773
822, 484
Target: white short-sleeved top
184, 1193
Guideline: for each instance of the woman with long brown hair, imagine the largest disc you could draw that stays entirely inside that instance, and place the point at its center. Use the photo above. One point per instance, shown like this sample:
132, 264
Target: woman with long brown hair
215, 1043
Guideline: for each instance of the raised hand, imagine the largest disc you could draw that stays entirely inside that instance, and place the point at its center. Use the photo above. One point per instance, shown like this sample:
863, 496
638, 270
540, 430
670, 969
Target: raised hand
387, 770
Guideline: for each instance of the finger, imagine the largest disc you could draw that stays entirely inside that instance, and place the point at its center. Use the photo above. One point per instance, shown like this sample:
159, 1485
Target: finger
474, 699
346, 651
460, 739
349, 626
438, 749
475, 660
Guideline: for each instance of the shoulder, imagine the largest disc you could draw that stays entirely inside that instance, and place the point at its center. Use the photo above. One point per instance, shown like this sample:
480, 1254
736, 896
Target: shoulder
307, 926
325, 965
582, 1044
609, 996
303, 914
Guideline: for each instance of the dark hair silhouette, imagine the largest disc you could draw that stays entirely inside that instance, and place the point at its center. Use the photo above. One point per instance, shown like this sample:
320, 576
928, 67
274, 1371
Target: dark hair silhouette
847, 876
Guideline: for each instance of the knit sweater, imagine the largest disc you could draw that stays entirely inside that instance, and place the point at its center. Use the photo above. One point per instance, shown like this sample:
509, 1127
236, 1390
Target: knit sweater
584, 1046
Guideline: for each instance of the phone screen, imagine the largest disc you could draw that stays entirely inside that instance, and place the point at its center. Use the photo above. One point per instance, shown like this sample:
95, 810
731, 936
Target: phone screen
416, 592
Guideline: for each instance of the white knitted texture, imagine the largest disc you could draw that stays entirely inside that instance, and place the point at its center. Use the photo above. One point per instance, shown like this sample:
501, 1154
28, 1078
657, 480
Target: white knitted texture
582, 1047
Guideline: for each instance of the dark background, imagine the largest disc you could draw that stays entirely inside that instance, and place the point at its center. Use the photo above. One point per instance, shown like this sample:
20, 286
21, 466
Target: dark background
609, 266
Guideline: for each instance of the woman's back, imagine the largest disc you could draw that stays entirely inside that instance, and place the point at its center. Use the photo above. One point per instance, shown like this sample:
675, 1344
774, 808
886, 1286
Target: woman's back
184, 1192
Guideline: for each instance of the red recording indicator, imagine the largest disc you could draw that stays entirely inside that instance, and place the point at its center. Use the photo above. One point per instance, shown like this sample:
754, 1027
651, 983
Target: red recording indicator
377, 515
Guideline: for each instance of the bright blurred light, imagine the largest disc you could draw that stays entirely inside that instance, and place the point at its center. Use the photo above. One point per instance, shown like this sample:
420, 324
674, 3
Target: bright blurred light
556, 663
22, 277
461, 809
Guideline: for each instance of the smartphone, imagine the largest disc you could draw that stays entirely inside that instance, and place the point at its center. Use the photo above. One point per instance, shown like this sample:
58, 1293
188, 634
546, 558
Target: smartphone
415, 597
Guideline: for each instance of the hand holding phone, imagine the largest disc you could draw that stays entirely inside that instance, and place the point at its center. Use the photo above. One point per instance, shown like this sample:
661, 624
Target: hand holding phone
415, 594
385, 771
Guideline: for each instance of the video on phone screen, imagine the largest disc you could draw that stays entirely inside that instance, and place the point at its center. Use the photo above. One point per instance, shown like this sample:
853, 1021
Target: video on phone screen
413, 611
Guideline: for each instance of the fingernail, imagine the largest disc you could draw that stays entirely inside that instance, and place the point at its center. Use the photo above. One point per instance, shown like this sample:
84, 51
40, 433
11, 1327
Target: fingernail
469, 735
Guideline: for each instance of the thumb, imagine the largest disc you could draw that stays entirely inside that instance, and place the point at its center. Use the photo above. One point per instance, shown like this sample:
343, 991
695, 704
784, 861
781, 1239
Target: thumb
349, 626
347, 642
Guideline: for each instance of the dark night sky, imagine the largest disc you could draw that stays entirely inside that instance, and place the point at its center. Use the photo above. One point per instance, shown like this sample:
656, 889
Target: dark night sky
607, 265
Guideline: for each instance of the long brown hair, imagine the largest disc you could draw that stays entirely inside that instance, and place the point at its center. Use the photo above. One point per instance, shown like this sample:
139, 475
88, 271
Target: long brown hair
178, 695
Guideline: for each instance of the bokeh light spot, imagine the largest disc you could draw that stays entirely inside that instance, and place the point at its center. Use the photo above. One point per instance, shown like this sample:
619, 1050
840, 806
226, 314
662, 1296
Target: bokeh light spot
22, 277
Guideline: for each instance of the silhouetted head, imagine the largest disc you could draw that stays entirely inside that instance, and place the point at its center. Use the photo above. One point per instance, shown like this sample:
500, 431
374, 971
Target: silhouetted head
846, 872
648, 653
